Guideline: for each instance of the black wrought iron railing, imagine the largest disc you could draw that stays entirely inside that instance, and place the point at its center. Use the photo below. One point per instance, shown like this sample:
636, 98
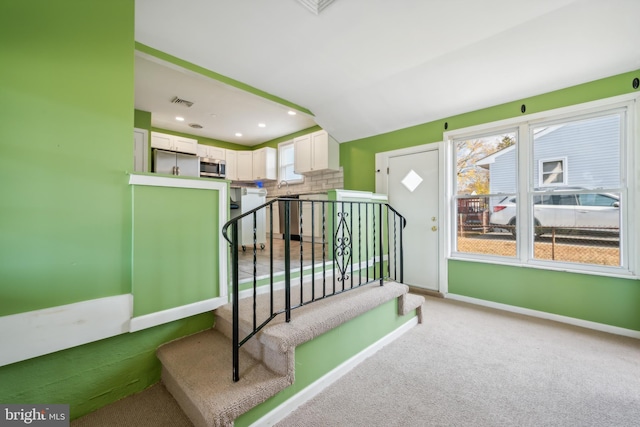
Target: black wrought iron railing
327, 247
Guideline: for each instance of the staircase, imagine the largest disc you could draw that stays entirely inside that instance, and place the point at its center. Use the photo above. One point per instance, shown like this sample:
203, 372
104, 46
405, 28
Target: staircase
196, 369
221, 373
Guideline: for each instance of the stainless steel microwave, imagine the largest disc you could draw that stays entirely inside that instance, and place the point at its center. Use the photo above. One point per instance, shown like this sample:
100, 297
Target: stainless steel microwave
212, 168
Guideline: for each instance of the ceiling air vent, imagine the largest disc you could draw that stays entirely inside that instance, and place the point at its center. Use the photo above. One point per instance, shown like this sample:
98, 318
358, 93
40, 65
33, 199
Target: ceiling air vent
181, 101
195, 125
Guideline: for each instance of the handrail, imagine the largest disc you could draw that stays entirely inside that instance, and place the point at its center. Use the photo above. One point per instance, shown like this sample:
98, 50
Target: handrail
354, 238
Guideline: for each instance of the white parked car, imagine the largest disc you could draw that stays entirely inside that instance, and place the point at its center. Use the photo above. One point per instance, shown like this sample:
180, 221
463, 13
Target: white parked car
592, 211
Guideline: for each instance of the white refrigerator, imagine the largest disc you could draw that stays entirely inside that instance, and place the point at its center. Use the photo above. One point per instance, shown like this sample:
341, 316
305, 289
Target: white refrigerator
248, 199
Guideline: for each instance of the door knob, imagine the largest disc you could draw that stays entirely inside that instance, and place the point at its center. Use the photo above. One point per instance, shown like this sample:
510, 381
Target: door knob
433, 218
434, 228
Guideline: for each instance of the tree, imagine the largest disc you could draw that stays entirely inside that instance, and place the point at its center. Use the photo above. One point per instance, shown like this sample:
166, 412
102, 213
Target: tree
474, 179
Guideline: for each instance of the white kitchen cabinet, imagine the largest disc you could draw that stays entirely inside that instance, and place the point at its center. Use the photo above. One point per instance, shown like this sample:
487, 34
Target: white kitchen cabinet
264, 164
316, 152
211, 152
231, 164
245, 165
174, 143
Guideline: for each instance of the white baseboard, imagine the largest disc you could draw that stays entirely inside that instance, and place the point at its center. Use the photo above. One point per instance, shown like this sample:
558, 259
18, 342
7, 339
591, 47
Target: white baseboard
175, 313
309, 392
39, 332
550, 316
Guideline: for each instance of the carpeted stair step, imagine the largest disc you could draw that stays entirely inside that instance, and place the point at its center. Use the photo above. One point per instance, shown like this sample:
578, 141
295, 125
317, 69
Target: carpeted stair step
197, 372
409, 302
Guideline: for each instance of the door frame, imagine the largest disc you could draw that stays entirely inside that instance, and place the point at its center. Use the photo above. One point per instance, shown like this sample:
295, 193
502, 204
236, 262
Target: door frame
382, 186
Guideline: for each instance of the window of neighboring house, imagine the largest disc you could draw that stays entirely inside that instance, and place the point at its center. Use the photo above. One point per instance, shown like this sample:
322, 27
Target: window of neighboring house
286, 164
515, 201
553, 172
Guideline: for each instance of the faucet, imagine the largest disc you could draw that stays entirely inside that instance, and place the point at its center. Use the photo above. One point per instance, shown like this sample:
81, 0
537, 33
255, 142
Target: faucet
280, 185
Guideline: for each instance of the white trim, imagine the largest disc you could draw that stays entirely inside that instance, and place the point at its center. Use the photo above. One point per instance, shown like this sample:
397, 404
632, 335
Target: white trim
39, 332
284, 409
549, 316
177, 182
222, 186
175, 313
525, 125
145, 154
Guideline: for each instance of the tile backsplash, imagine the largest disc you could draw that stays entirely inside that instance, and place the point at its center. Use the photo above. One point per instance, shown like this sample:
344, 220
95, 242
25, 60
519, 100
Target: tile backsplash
323, 181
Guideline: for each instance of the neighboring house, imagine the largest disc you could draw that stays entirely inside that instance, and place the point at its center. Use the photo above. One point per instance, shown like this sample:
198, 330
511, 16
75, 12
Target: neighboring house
567, 155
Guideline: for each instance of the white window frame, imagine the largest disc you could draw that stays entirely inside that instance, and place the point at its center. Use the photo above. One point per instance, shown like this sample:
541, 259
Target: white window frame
281, 147
565, 171
630, 161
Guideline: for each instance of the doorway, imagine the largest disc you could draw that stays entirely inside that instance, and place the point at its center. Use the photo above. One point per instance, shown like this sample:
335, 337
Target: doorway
411, 180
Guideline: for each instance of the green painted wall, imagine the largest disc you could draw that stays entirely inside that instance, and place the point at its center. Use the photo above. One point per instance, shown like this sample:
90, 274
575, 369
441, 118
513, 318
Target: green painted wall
607, 300
66, 135
66, 124
142, 120
173, 264
93, 375
358, 157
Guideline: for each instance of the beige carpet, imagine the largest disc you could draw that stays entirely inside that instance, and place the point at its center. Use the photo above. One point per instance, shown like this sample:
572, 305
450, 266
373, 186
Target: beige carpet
465, 366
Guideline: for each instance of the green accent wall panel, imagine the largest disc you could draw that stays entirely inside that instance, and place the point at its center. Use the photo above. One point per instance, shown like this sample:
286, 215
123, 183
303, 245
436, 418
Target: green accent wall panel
176, 235
66, 122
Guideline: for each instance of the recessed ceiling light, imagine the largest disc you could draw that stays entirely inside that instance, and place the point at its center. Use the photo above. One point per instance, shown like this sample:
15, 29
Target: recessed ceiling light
262, 125
238, 134
180, 119
292, 113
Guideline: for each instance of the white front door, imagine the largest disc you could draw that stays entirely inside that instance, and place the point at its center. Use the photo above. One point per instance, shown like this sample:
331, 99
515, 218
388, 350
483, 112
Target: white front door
413, 192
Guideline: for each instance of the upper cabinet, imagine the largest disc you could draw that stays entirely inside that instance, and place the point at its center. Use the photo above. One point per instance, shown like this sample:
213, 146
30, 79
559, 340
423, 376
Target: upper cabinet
174, 143
211, 152
231, 165
264, 164
316, 152
245, 165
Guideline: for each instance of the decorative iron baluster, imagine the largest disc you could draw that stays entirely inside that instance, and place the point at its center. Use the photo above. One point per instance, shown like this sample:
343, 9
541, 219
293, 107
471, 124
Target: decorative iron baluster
342, 248
366, 258
351, 241
235, 333
255, 269
359, 243
301, 251
313, 254
287, 260
324, 249
381, 253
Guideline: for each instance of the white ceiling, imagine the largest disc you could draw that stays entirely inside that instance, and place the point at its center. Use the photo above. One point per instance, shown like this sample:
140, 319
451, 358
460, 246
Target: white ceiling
220, 109
366, 67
